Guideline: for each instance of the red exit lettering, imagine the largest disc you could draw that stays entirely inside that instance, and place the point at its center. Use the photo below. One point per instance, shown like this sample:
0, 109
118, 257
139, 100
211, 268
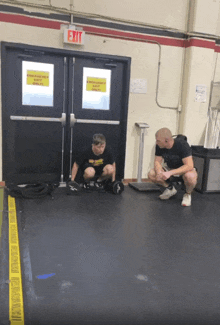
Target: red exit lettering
74, 36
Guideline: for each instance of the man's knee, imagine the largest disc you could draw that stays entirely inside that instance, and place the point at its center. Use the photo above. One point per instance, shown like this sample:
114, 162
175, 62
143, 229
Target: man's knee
108, 170
89, 173
151, 174
190, 178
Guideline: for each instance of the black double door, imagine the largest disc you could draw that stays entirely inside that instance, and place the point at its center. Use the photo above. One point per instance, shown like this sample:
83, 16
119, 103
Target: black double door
53, 101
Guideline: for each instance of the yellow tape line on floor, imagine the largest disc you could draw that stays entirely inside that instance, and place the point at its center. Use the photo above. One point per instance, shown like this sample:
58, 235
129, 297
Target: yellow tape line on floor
1, 209
16, 305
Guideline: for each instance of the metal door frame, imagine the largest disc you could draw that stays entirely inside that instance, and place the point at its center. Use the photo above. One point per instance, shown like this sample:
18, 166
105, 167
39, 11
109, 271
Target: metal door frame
70, 54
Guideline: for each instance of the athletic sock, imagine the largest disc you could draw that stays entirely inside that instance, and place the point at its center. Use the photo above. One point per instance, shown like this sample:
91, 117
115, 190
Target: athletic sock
170, 187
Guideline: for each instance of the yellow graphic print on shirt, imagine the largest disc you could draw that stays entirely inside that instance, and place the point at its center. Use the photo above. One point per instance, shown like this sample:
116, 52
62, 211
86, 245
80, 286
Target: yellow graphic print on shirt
98, 162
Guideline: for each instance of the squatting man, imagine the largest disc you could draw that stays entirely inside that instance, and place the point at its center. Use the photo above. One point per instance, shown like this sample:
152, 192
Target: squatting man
96, 162
173, 157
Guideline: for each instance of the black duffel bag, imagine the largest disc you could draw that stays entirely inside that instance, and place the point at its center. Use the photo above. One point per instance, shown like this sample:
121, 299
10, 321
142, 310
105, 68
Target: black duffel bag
31, 191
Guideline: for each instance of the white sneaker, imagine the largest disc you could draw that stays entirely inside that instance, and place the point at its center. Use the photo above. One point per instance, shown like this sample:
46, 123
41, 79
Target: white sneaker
186, 202
168, 193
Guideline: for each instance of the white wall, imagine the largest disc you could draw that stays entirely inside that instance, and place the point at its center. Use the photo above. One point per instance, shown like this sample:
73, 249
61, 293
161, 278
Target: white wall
200, 72
169, 13
206, 13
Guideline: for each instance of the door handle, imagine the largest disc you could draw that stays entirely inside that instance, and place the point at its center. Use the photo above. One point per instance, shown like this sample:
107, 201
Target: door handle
73, 120
62, 119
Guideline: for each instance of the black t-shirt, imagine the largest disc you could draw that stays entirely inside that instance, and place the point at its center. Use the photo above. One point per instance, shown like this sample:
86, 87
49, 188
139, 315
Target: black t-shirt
88, 157
173, 157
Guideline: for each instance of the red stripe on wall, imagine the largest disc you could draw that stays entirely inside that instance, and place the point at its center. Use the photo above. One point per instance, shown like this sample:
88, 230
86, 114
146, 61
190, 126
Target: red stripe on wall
29, 21
217, 48
133, 36
200, 43
99, 31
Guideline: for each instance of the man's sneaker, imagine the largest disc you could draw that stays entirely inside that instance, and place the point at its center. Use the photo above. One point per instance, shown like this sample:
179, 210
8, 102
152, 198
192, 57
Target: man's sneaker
98, 185
168, 193
87, 186
186, 202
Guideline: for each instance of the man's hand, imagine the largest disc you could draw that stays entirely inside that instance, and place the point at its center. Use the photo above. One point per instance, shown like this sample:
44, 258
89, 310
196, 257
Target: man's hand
163, 176
166, 175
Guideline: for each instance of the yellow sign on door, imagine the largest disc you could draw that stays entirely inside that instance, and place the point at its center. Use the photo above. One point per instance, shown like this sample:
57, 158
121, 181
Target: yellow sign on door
96, 84
38, 78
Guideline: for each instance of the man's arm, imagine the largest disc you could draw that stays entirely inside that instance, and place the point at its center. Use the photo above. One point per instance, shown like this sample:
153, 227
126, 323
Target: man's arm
111, 161
74, 171
158, 164
114, 172
188, 165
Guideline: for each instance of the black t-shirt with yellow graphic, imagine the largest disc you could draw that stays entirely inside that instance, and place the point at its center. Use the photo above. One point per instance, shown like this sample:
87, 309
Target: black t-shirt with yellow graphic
88, 158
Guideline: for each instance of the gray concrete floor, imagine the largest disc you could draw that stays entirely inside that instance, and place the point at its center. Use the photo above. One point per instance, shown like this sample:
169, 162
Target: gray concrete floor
129, 259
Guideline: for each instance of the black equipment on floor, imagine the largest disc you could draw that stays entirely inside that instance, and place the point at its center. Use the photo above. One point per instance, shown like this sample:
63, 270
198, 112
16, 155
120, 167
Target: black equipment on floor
116, 187
31, 191
73, 187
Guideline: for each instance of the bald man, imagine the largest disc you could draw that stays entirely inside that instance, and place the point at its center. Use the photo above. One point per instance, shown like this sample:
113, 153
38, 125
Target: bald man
173, 157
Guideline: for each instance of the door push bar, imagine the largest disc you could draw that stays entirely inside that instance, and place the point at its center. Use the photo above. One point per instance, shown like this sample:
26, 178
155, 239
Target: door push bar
73, 120
62, 119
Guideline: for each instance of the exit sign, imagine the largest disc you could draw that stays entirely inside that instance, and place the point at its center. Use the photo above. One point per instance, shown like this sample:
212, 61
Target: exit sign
73, 36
